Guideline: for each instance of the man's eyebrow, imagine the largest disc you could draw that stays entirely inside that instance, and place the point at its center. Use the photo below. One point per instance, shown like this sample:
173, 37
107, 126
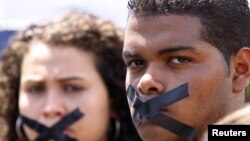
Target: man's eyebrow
173, 49
170, 49
130, 53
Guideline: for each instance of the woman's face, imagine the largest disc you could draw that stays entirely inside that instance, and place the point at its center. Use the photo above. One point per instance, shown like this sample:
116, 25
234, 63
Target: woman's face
56, 81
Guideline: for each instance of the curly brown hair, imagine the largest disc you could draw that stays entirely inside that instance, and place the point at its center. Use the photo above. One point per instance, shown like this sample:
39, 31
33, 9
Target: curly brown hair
85, 32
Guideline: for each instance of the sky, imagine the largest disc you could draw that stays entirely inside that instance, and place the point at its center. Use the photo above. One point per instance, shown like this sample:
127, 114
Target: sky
16, 14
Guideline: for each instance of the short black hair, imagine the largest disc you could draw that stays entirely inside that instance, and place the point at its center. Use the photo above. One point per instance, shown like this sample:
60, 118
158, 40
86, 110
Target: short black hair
225, 23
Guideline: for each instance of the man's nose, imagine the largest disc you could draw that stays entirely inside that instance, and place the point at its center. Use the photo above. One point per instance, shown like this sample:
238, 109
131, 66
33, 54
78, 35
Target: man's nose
150, 84
54, 106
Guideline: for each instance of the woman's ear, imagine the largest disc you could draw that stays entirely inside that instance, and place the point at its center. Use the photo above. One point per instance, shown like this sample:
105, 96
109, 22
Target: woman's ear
241, 75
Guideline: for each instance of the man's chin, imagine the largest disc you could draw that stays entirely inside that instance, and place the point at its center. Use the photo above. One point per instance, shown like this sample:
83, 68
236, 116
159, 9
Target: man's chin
152, 132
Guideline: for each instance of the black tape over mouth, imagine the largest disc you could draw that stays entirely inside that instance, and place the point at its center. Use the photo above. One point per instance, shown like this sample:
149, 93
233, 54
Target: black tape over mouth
56, 131
150, 110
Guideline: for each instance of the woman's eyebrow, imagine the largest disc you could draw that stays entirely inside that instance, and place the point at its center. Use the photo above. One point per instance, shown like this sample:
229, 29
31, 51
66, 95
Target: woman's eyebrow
70, 78
41, 81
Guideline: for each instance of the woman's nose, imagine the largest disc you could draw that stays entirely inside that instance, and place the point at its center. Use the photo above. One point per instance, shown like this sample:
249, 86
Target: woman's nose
54, 106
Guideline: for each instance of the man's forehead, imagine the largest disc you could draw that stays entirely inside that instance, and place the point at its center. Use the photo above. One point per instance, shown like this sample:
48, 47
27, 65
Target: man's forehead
170, 29
158, 22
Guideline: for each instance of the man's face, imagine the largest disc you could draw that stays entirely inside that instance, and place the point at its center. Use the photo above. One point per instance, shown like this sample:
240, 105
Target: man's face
164, 52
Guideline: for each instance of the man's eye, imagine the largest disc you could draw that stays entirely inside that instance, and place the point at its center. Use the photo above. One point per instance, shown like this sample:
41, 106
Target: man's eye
136, 63
36, 89
72, 88
179, 60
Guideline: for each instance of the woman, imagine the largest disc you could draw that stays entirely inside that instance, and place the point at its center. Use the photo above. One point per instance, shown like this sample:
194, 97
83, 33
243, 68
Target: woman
71, 65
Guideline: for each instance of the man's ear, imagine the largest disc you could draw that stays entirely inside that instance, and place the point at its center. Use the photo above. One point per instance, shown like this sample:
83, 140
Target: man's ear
241, 75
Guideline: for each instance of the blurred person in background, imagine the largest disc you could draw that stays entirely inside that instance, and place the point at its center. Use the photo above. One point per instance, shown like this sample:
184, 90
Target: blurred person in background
4, 37
69, 69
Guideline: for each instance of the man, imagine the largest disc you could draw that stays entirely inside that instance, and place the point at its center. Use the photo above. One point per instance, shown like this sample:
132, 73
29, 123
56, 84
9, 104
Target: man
194, 53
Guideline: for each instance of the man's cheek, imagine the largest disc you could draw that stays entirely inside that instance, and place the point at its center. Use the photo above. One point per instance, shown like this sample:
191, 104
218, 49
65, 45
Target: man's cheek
131, 108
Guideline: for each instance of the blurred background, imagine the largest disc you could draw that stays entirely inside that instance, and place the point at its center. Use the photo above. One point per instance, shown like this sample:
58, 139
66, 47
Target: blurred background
17, 14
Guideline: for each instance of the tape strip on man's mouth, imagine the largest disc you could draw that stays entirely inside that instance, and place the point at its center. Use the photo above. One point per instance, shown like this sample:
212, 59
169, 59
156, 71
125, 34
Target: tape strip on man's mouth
150, 110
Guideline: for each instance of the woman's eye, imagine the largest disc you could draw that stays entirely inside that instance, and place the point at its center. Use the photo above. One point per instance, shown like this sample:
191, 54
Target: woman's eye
36, 89
179, 60
72, 88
